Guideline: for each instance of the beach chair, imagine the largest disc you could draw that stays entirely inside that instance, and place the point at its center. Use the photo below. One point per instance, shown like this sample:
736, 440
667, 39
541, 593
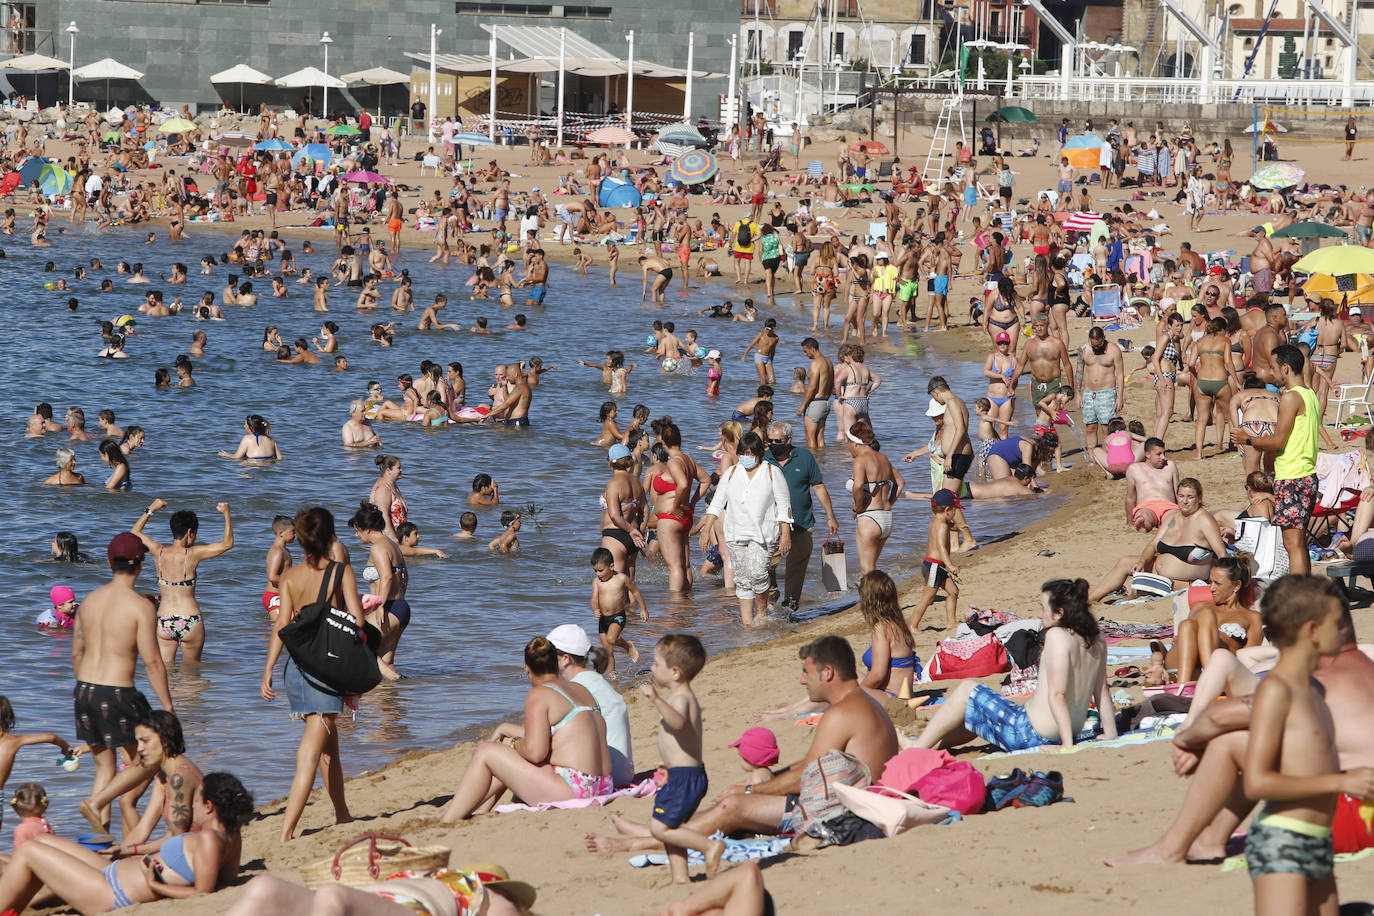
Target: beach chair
1356, 397
1106, 303
815, 168
430, 162
877, 231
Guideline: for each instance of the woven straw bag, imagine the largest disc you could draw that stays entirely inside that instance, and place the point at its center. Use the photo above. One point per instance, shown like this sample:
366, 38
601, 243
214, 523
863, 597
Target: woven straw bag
372, 857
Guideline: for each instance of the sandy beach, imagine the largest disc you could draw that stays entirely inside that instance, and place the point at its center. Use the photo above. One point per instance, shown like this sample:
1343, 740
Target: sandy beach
1033, 860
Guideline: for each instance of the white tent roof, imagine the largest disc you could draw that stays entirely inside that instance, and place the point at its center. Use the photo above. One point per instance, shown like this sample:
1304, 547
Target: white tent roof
241, 73
310, 76
107, 68
582, 66
33, 62
377, 76
544, 41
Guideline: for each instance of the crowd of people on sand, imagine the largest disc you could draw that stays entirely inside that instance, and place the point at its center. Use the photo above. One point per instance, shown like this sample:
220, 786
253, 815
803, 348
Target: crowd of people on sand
1255, 369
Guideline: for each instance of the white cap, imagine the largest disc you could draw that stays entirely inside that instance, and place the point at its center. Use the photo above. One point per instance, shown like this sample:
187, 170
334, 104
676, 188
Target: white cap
936, 409
570, 639
882, 256
714, 354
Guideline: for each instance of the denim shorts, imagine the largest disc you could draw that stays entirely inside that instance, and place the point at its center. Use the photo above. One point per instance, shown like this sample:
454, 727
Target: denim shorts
304, 697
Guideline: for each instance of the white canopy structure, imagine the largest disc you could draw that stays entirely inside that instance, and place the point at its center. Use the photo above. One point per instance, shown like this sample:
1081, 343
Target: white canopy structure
107, 68
309, 77
540, 49
241, 74
379, 77
32, 63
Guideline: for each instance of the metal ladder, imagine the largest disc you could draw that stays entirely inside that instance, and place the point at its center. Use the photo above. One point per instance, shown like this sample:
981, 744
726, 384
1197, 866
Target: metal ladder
951, 107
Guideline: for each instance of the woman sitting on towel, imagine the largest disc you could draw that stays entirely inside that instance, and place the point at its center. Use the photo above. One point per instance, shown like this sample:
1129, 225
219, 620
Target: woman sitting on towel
560, 753
1184, 548
1226, 622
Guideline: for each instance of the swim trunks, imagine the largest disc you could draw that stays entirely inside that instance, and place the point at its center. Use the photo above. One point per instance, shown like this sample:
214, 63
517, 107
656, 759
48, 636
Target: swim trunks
1278, 844
1160, 508
1263, 281
935, 573
756, 199
518, 421
537, 293
1294, 501
106, 715
1064, 187
394, 225
680, 795
1363, 232
762, 360
970, 197
605, 622
744, 255
1099, 406
907, 289
939, 284
959, 465
270, 600
994, 718
1041, 390
817, 410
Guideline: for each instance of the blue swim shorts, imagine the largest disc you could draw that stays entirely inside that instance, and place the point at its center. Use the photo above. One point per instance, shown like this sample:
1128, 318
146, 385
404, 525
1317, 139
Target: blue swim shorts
940, 285
537, 293
1099, 406
678, 798
994, 718
970, 197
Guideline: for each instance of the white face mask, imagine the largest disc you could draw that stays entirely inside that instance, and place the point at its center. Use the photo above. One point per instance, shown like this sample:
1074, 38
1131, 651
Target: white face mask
747, 461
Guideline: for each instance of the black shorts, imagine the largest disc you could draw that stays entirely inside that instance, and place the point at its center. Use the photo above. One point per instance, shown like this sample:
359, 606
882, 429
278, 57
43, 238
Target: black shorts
680, 796
623, 536
271, 198
603, 624
518, 421
355, 284
106, 715
959, 466
771, 264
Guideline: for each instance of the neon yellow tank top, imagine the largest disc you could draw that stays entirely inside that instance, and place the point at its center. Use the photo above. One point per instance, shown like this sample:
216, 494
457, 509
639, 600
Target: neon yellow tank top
1299, 455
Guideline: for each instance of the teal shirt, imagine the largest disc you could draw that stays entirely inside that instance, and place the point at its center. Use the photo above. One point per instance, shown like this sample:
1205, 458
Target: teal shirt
801, 473
769, 246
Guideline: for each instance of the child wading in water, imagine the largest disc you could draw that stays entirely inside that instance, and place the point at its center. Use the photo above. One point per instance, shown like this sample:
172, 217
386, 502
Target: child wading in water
613, 592
278, 561
939, 571
1291, 761
678, 659
10, 743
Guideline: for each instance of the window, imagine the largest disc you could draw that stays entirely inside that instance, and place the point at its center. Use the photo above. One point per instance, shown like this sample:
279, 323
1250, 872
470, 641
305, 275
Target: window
753, 44
236, 2
794, 44
586, 12
503, 9
917, 53
837, 45
759, 7
995, 22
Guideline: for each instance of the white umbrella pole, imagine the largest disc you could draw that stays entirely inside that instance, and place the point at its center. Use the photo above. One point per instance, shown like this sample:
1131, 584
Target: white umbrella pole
433, 81
491, 94
734, 60
562, 59
687, 95
630, 84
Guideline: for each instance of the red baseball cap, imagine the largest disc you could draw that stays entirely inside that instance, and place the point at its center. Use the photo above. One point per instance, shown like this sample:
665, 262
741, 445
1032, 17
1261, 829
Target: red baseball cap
1003, 337
126, 546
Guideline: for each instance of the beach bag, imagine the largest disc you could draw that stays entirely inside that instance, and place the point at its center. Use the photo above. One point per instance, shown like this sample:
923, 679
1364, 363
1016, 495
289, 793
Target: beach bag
906, 768
957, 786
1143, 583
817, 800
890, 810
961, 658
834, 574
381, 857
1263, 540
325, 644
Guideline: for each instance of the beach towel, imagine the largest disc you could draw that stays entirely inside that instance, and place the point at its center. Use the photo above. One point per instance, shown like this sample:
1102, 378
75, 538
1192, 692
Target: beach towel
638, 790
1086, 741
1111, 629
759, 847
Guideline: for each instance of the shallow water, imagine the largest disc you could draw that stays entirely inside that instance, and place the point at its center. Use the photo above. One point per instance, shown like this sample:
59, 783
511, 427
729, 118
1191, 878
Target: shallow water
473, 612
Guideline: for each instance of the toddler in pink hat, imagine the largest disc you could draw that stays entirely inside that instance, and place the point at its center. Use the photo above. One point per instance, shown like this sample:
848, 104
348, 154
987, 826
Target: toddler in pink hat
758, 750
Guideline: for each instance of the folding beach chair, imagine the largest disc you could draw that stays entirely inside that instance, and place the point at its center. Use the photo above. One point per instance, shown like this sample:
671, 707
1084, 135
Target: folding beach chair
1356, 397
1106, 303
815, 168
885, 169
430, 162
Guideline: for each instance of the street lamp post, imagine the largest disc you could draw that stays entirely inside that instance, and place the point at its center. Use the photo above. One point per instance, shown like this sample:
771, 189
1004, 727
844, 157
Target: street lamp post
324, 105
434, 33
72, 30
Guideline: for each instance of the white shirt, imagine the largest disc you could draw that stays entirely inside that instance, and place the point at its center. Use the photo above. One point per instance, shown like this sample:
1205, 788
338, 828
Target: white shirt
94, 184
757, 504
1104, 156
617, 717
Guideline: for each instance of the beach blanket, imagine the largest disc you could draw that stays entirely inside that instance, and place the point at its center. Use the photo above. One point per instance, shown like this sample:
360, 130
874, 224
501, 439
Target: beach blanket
1085, 741
638, 790
759, 847
1114, 630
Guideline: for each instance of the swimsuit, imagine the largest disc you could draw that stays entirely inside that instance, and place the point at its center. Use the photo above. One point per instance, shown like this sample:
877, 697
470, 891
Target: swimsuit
1279, 844
584, 785
173, 855
1193, 554
121, 899
176, 626
660, 485
606, 621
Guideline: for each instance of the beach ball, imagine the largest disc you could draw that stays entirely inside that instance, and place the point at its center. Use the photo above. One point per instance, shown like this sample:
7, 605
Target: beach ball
700, 353
651, 340
512, 248
669, 364
50, 285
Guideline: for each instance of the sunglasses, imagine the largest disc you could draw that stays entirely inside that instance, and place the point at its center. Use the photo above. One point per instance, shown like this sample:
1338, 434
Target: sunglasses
777, 441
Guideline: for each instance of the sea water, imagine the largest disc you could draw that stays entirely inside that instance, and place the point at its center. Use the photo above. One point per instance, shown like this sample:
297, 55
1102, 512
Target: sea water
474, 612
